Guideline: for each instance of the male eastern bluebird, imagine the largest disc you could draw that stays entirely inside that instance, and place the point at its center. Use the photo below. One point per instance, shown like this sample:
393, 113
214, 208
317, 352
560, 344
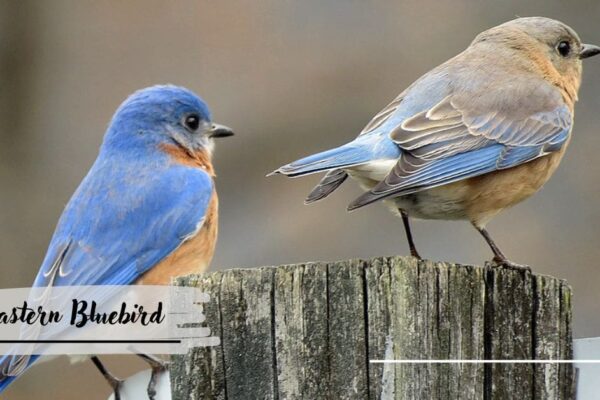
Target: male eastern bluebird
147, 209
478, 134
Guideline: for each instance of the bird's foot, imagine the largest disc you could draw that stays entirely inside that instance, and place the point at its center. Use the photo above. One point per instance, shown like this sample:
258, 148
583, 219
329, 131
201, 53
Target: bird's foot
117, 388
503, 262
114, 382
415, 254
158, 366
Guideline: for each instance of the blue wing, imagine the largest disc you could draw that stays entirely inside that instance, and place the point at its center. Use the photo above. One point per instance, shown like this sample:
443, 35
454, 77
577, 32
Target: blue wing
120, 223
446, 143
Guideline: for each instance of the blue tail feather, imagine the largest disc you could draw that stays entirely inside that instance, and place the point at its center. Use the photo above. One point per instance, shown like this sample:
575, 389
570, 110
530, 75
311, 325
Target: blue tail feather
6, 381
343, 156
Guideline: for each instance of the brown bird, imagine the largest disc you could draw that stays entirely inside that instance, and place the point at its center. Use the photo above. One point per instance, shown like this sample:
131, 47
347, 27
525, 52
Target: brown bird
472, 137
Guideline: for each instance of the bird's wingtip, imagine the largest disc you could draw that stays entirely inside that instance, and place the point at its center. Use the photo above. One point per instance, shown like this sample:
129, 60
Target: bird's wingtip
313, 197
362, 200
353, 206
273, 173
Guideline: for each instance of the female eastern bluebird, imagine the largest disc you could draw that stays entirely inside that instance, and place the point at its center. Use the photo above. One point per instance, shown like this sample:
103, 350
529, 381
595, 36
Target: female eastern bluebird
479, 133
146, 211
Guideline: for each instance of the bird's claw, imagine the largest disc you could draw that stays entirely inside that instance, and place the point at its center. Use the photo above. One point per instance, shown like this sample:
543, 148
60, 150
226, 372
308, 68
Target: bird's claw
504, 263
157, 366
117, 389
153, 377
114, 382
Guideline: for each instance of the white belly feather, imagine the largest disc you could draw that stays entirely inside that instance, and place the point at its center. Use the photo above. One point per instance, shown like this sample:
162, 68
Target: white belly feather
370, 174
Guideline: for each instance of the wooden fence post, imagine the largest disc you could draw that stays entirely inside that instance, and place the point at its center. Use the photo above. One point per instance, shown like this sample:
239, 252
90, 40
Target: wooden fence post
308, 331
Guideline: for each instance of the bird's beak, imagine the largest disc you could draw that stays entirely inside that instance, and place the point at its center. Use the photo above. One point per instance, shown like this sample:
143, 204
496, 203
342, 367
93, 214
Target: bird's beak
588, 50
219, 131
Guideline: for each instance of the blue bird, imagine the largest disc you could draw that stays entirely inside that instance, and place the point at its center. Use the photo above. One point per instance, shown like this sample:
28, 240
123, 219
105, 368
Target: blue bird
146, 211
472, 137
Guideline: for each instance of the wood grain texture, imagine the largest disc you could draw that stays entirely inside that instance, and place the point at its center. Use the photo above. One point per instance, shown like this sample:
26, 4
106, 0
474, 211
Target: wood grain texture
204, 364
301, 331
308, 331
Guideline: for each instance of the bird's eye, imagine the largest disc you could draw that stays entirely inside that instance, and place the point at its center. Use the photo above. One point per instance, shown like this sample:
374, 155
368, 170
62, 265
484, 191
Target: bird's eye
564, 48
192, 122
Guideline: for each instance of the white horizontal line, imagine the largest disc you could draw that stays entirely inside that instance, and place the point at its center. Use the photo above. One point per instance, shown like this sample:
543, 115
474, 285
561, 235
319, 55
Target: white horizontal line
484, 361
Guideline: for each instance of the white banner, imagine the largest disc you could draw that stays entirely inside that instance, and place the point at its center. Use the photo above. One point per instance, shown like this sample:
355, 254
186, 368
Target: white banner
103, 320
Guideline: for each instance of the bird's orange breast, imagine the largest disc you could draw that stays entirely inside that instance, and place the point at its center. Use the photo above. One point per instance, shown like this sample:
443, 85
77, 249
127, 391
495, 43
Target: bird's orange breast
491, 193
198, 159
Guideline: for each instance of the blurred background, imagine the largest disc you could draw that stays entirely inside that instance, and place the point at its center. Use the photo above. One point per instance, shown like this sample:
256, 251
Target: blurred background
291, 78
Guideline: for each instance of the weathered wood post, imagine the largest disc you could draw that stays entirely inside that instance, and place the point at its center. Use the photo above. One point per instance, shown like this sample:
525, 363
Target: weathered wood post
308, 331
